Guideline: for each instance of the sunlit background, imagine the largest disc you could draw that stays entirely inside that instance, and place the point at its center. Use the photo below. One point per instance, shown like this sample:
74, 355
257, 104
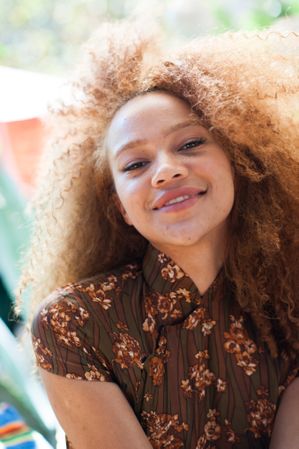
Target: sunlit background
44, 35
39, 45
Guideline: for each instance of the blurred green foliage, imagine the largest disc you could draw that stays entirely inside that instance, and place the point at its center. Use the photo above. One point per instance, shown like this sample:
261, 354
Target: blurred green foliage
44, 35
17, 383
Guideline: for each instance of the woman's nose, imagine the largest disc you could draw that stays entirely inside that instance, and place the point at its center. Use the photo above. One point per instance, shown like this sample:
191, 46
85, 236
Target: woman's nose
167, 172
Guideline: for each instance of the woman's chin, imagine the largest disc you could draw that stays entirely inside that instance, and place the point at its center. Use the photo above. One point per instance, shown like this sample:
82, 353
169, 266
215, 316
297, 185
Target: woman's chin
177, 240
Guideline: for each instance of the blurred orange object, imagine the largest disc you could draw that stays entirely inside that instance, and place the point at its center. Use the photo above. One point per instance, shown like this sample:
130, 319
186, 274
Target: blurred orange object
24, 99
22, 143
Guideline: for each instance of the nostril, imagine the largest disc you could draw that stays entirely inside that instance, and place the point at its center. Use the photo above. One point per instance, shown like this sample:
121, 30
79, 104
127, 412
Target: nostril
161, 178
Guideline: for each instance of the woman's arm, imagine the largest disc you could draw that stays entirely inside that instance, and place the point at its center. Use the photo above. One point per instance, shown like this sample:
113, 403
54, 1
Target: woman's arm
94, 415
286, 426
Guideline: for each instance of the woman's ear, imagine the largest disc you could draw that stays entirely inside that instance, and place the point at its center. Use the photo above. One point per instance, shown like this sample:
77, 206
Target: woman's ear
121, 209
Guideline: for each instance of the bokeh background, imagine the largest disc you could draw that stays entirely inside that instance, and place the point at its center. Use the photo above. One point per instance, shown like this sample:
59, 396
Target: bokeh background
44, 35
39, 46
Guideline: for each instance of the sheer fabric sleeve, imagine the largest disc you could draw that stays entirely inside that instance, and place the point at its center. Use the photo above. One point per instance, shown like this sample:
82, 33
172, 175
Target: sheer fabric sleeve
67, 341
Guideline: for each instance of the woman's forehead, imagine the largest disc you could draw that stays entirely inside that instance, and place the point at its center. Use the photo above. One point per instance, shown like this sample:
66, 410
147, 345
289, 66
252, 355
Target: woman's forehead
152, 100
154, 110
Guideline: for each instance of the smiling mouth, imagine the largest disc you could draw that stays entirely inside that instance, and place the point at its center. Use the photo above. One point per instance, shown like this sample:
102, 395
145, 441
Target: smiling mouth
180, 199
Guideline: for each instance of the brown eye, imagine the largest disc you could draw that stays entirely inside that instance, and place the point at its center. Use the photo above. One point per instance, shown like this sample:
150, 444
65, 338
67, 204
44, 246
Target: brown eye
135, 166
192, 144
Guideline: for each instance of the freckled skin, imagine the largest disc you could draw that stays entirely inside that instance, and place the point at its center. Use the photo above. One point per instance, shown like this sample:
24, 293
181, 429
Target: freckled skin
166, 165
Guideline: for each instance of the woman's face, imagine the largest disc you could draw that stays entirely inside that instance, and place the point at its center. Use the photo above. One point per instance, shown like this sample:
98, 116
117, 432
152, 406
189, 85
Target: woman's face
173, 181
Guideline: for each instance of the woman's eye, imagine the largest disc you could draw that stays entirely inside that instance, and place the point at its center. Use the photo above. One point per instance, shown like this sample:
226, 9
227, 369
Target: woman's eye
134, 166
193, 143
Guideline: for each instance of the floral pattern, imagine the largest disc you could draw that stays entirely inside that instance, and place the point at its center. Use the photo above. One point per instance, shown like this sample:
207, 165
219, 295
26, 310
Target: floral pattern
199, 317
127, 350
230, 435
170, 271
163, 430
212, 431
122, 326
129, 272
101, 293
63, 318
156, 364
200, 376
261, 414
221, 385
164, 307
238, 343
43, 355
94, 374
187, 363
148, 397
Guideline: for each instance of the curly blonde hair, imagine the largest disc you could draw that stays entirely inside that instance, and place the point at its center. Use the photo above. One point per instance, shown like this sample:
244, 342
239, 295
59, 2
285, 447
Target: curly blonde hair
243, 88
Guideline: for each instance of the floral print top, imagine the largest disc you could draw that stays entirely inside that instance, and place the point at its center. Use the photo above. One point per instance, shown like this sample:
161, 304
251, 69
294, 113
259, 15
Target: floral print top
191, 366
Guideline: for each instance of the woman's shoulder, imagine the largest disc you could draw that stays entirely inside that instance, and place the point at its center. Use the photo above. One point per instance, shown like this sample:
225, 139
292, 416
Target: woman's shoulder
100, 290
74, 327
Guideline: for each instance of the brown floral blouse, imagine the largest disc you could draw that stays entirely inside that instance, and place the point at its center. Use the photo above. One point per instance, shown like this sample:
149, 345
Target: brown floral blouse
191, 366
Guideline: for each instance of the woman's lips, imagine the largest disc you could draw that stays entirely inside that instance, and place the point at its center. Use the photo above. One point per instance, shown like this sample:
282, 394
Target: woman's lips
184, 204
178, 199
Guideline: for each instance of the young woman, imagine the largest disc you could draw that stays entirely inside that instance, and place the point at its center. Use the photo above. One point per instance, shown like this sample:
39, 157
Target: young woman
166, 224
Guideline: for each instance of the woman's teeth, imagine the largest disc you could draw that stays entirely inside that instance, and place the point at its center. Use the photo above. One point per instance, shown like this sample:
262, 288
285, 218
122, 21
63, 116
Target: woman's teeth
179, 199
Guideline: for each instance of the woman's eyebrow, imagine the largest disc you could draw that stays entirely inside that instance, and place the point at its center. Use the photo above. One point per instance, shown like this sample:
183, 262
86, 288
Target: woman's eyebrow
130, 145
191, 122
135, 143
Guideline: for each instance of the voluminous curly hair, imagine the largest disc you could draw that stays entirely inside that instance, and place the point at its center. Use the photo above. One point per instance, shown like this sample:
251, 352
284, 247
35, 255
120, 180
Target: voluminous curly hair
245, 90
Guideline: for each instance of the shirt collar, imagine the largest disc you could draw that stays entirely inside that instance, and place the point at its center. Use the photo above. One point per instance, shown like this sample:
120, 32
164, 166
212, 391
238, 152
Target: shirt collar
163, 275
